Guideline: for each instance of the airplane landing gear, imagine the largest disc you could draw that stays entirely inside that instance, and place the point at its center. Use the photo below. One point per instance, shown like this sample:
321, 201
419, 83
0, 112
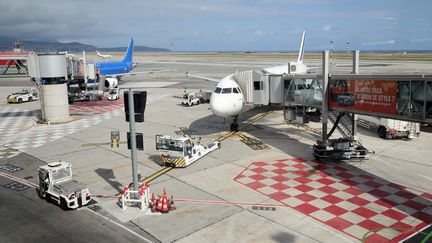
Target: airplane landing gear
234, 124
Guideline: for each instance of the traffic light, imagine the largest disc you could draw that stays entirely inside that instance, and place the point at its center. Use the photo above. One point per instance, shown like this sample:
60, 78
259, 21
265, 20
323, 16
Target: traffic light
140, 99
139, 141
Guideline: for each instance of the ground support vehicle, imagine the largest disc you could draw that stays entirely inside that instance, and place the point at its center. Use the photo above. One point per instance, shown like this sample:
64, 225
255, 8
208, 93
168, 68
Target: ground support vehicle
56, 185
190, 99
181, 151
26, 95
113, 94
341, 148
390, 128
204, 97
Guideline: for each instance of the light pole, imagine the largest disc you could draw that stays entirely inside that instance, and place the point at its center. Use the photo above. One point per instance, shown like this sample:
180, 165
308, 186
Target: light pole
331, 52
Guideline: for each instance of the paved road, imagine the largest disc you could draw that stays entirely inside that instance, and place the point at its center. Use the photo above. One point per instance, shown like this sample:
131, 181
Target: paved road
24, 217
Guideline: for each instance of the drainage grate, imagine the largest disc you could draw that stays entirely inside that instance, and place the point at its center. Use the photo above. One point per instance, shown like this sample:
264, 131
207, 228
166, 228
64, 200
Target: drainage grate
253, 143
10, 168
263, 208
95, 208
16, 186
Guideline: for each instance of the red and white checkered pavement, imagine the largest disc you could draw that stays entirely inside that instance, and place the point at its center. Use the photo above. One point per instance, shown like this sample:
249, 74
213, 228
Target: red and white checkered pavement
341, 196
96, 107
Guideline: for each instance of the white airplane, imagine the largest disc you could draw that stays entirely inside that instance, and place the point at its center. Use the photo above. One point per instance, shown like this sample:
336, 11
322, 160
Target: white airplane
103, 56
227, 100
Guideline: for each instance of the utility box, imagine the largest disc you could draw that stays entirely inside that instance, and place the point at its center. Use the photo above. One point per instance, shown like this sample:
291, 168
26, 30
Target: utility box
140, 99
139, 141
289, 114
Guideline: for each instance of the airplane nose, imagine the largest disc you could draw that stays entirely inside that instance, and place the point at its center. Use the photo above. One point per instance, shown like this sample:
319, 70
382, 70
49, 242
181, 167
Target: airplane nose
217, 105
223, 106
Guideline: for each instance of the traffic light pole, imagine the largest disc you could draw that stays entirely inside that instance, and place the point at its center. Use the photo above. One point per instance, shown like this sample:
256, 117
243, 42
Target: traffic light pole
133, 138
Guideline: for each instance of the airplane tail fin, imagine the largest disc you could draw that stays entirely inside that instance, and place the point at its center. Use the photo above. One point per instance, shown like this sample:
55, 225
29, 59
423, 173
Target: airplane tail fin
129, 52
301, 52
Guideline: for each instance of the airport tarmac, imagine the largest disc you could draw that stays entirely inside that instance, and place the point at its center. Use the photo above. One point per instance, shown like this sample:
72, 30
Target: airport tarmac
234, 194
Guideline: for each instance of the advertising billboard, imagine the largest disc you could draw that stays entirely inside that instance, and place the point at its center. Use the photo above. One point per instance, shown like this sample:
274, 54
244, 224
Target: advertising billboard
377, 96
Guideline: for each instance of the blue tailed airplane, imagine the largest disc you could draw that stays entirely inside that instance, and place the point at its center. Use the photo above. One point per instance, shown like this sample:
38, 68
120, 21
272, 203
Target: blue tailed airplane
114, 70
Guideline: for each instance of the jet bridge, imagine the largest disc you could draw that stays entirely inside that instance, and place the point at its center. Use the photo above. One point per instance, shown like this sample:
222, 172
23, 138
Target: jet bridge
260, 87
401, 97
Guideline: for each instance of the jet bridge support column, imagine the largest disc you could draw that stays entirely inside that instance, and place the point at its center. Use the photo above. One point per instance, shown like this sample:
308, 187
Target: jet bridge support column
354, 124
356, 64
356, 60
324, 108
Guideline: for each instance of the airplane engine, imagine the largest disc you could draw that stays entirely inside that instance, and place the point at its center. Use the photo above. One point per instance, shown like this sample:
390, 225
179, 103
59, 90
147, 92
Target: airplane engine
111, 83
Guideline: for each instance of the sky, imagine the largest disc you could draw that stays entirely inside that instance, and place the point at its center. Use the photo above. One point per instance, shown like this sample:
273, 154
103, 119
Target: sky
224, 25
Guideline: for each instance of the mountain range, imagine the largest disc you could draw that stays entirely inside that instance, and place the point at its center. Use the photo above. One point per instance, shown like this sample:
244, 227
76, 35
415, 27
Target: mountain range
51, 46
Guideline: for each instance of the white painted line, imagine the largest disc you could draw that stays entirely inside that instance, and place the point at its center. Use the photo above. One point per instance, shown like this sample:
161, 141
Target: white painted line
426, 177
17, 179
121, 226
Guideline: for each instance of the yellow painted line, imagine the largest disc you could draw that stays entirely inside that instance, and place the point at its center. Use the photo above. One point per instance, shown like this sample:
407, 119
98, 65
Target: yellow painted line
311, 129
183, 133
8, 150
223, 137
157, 174
256, 119
98, 144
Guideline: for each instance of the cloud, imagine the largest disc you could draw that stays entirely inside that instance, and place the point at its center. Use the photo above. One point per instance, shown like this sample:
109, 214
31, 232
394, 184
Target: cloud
326, 28
196, 34
295, 31
258, 33
421, 40
229, 31
376, 43
391, 18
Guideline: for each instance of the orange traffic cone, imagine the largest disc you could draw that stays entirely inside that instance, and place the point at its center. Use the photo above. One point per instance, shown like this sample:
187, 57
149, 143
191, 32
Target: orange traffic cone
159, 204
165, 207
152, 202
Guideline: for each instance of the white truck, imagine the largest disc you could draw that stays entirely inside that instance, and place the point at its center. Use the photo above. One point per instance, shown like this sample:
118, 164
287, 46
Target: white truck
390, 128
190, 99
26, 95
56, 184
181, 151
113, 94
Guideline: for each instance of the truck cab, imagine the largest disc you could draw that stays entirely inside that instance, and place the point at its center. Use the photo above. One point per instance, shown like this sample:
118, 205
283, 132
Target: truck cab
190, 99
56, 185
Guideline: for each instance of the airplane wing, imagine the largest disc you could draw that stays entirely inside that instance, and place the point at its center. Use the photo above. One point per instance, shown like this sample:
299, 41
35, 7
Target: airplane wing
142, 73
203, 78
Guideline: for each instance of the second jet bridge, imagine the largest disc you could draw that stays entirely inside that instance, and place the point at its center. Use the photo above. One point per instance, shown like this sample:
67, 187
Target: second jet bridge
401, 97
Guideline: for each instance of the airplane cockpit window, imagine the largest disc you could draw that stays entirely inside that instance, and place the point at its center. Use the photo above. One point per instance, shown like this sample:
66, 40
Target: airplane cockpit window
235, 90
226, 90
217, 90
239, 90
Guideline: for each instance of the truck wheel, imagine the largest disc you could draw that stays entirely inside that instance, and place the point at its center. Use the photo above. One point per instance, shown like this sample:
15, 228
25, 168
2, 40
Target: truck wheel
63, 204
382, 132
42, 193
